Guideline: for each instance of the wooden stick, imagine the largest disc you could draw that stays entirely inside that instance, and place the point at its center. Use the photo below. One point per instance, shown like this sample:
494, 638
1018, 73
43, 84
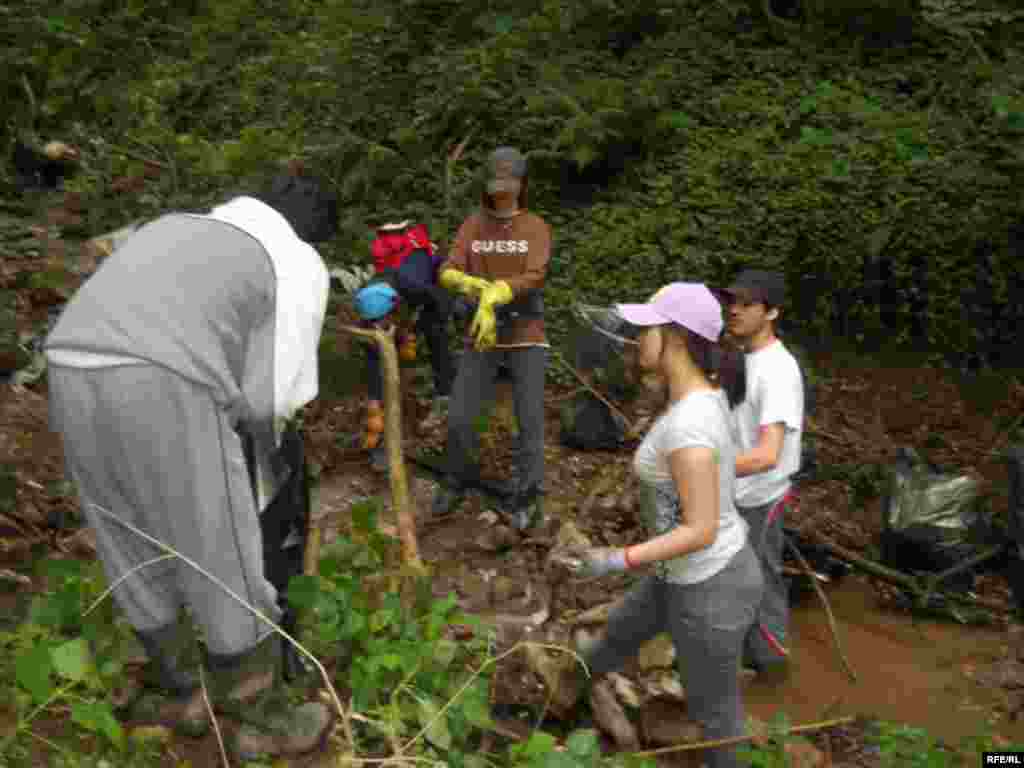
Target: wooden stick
589, 387
743, 739
902, 579
400, 500
828, 609
934, 581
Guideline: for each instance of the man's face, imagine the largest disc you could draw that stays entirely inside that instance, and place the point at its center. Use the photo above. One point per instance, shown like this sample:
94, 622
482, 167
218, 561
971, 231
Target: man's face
747, 316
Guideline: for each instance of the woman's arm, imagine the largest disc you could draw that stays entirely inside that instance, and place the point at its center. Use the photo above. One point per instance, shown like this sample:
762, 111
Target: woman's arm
695, 471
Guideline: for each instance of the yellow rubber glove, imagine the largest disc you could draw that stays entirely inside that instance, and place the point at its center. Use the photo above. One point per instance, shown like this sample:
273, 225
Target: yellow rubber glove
485, 324
454, 280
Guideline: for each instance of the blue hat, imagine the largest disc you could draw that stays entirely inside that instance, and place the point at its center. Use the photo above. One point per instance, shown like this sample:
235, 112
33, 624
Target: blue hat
375, 301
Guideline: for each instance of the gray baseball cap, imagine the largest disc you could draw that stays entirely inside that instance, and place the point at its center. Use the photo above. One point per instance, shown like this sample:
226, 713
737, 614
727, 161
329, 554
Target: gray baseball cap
505, 170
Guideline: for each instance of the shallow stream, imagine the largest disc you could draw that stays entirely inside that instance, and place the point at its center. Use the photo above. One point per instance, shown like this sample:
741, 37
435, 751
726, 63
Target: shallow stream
914, 671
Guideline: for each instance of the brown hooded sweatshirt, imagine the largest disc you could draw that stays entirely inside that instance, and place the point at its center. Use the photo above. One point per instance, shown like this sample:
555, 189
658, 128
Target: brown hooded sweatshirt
516, 250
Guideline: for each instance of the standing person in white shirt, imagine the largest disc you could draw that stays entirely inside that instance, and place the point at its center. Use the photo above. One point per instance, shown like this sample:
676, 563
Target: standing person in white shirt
769, 430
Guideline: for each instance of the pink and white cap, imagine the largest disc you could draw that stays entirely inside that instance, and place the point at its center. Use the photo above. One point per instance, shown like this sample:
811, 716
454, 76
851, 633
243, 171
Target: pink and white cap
690, 305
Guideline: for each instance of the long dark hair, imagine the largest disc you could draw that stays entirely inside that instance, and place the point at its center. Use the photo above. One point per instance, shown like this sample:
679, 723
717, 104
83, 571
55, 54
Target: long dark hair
723, 365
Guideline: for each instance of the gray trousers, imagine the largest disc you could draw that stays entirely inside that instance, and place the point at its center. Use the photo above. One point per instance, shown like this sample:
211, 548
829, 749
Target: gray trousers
708, 622
767, 642
145, 446
474, 389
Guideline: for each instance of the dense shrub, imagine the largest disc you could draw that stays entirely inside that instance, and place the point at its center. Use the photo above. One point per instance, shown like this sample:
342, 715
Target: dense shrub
886, 193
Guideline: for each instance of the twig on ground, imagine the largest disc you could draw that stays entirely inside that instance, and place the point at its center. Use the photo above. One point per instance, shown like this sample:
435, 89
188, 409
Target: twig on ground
213, 718
828, 609
806, 728
904, 580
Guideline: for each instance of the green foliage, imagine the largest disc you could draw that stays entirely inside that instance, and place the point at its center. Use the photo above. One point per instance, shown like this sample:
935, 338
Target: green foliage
61, 656
747, 152
404, 670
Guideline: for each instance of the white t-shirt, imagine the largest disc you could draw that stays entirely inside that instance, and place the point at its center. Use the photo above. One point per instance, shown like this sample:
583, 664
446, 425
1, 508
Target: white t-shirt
701, 419
775, 393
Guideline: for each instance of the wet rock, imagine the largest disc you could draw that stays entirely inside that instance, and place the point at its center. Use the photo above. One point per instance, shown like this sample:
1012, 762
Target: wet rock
476, 593
625, 689
1016, 642
562, 677
1007, 673
596, 615
1015, 705
665, 723
570, 536
506, 589
611, 718
497, 539
627, 505
665, 686
657, 653
803, 754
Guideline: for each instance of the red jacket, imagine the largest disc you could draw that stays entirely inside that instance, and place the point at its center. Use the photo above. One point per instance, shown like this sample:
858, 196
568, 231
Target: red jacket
390, 249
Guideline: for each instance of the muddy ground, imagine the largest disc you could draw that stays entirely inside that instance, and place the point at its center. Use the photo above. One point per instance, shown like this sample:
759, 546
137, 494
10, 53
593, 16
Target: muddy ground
862, 414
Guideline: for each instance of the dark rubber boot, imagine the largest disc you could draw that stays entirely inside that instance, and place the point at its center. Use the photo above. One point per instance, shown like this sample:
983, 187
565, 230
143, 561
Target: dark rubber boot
166, 668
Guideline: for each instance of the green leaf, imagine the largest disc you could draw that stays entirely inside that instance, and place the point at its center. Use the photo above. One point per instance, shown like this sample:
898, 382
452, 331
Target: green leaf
476, 706
304, 591
389, 661
364, 516
503, 24
584, 156
559, 760
72, 660
96, 716
32, 671
59, 570
584, 744
808, 104
444, 652
437, 733
540, 743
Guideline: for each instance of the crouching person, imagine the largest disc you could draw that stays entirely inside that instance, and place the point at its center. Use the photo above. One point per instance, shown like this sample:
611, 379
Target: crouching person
197, 326
705, 583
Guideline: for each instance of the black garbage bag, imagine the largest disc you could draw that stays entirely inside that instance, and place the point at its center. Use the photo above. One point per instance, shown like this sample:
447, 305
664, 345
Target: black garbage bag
1015, 569
601, 346
931, 520
284, 526
590, 425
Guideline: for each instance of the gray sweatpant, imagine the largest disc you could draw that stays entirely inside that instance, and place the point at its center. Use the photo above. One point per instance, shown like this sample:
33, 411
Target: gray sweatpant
474, 389
708, 622
148, 447
767, 642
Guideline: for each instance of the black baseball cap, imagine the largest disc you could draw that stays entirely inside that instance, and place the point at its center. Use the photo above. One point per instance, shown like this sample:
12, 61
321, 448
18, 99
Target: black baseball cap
760, 285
